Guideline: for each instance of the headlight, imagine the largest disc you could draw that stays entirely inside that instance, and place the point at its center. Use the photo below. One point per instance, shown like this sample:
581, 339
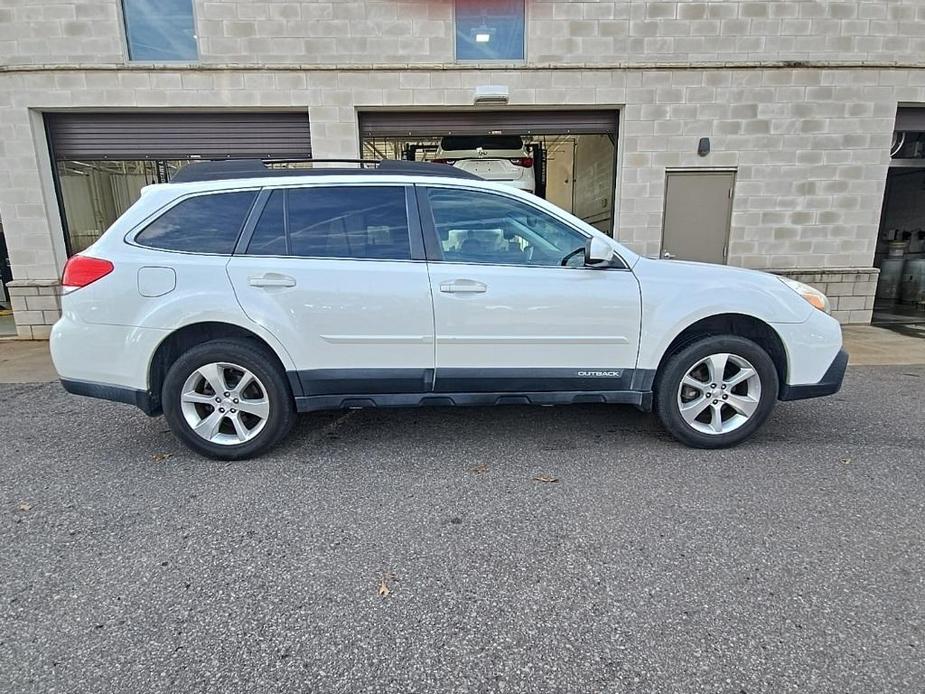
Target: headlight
811, 294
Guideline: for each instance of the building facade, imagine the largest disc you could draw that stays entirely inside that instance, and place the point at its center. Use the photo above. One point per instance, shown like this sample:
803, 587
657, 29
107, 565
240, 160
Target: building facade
796, 102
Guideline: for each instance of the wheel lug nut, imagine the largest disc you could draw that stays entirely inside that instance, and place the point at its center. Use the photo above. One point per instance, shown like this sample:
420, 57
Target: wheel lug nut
227, 394
725, 397
715, 401
713, 385
233, 410
218, 399
235, 401
222, 409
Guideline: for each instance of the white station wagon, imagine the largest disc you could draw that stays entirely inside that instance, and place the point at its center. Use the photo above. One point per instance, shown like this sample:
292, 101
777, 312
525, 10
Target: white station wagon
238, 295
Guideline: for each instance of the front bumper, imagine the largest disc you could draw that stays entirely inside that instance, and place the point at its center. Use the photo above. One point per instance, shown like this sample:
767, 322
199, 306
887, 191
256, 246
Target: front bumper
829, 384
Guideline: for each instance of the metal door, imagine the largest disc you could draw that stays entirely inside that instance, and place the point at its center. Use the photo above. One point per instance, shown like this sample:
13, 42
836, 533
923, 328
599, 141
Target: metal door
698, 209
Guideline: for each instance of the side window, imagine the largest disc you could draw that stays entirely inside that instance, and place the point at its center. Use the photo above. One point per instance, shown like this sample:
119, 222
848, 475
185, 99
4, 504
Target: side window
202, 224
334, 222
477, 227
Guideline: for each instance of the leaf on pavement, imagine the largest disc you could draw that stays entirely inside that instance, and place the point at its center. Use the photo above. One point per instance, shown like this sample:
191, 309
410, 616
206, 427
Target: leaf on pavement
847, 461
158, 457
549, 479
384, 590
479, 469
25, 506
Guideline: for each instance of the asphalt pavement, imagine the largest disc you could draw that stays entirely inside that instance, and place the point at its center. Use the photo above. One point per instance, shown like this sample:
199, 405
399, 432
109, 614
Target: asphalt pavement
473, 550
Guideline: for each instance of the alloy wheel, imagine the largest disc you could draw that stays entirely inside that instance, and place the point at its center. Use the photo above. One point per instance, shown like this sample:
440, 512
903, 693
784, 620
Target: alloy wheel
719, 393
224, 403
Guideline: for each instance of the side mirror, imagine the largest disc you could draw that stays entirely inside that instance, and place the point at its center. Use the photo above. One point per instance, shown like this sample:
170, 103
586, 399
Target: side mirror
598, 253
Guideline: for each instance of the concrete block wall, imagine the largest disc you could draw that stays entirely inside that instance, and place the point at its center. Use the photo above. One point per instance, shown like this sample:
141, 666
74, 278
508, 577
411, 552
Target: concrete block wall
421, 31
810, 148
60, 31
596, 31
344, 31
36, 306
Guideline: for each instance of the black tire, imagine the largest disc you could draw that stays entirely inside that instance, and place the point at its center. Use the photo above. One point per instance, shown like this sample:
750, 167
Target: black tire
668, 382
272, 380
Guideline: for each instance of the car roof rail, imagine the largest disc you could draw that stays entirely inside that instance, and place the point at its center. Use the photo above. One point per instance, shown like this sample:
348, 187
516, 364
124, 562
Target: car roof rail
228, 169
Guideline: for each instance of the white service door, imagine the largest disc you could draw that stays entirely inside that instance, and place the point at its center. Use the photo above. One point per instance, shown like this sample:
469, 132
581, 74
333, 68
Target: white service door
509, 317
357, 325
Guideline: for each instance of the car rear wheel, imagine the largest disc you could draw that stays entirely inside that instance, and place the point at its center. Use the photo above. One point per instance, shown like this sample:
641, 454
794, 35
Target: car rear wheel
227, 399
716, 392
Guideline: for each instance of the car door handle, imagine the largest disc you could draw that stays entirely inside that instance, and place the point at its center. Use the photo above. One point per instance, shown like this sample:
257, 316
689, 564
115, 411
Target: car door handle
463, 287
271, 280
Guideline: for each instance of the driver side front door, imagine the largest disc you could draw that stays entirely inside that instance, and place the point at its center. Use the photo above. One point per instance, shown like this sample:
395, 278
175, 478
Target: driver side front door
509, 317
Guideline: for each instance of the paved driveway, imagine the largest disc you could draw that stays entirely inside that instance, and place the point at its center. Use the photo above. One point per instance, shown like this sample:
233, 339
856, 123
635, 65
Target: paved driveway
794, 563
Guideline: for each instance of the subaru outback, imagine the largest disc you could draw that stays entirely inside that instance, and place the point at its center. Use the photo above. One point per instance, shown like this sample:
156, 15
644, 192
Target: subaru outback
239, 295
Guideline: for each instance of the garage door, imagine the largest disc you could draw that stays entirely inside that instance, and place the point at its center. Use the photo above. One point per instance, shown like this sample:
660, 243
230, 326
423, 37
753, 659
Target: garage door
439, 123
164, 136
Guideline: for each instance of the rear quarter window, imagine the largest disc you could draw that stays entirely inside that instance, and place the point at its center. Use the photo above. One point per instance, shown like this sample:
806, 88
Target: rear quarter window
202, 224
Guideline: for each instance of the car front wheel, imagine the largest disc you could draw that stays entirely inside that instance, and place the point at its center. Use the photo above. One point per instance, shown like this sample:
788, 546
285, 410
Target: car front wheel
716, 392
226, 399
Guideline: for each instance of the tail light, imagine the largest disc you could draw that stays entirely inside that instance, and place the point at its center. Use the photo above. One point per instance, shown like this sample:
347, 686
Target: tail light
445, 161
81, 270
525, 162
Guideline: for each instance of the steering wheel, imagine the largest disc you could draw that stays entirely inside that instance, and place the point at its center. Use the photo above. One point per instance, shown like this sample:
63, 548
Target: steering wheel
572, 255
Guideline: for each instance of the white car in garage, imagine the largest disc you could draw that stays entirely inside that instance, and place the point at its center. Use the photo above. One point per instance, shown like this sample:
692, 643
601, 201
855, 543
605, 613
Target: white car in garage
501, 158
237, 296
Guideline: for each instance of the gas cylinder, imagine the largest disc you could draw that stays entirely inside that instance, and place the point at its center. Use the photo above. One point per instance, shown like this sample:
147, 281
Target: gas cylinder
891, 270
912, 284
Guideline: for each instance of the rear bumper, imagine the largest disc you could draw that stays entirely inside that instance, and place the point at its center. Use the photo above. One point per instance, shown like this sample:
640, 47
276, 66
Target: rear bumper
101, 353
829, 384
141, 399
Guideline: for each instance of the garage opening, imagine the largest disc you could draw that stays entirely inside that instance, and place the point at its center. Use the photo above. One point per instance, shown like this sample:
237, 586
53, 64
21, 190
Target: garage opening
103, 160
900, 252
566, 157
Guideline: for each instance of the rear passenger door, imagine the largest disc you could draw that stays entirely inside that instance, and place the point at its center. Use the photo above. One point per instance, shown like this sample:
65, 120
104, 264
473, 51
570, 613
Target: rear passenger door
337, 273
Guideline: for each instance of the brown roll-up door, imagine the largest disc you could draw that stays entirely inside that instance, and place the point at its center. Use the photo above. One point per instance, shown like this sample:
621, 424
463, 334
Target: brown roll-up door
440, 123
910, 118
133, 136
